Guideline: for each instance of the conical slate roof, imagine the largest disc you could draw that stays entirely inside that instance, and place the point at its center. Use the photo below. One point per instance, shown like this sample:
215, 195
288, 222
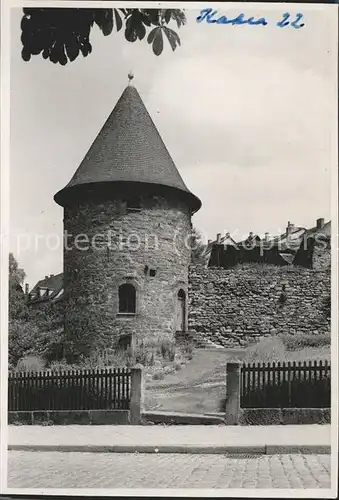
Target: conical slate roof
128, 149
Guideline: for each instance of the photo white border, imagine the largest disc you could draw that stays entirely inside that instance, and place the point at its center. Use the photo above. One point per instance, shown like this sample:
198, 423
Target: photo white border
6, 6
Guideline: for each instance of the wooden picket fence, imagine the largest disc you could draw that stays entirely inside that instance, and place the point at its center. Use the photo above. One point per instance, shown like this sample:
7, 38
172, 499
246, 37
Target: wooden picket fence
286, 385
107, 389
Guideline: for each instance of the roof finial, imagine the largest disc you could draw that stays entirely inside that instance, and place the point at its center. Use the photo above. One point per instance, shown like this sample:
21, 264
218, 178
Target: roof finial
130, 77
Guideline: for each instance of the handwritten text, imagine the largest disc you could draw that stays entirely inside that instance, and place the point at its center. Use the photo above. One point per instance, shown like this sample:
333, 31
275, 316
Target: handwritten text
211, 16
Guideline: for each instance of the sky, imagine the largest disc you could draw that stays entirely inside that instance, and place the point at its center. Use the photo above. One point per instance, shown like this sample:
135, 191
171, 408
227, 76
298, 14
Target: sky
248, 114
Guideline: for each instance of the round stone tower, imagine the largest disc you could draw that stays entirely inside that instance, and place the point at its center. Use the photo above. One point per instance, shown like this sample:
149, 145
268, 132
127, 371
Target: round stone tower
127, 224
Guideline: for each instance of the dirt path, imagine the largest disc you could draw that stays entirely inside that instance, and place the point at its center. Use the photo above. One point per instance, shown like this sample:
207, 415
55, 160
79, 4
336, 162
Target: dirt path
198, 388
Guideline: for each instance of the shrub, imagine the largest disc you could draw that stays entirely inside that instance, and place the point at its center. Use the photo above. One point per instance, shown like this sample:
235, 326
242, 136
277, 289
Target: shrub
300, 341
61, 366
167, 350
159, 375
23, 337
30, 364
187, 348
107, 358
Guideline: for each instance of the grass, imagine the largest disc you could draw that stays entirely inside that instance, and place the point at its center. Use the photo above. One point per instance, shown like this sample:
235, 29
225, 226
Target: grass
289, 348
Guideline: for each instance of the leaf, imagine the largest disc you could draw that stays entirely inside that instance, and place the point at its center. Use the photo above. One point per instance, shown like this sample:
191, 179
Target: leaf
178, 16
118, 21
25, 23
25, 54
54, 55
167, 15
151, 36
172, 36
158, 43
108, 23
145, 19
63, 57
86, 48
152, 15
132, 23
141, 31
72, 49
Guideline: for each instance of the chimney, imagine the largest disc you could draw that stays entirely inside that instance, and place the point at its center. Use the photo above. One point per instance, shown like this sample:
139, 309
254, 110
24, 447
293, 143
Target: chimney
46, 277
227, 235
289, 227
51, 275
267, 236
209, 242
26, 288
251, 234
320, 223
218, 238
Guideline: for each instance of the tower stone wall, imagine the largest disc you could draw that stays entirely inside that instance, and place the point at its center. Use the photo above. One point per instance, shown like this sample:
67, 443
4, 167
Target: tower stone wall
106, 246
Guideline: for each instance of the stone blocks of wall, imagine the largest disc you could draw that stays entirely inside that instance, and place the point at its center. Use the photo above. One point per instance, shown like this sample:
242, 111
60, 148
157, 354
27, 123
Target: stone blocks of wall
69, 417
235, 306
284, 416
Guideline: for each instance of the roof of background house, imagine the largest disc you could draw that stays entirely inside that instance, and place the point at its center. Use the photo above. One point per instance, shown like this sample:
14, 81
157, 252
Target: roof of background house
287, 243
129, 149
251, 240
324, 230
50, 288
225, 240
290, 241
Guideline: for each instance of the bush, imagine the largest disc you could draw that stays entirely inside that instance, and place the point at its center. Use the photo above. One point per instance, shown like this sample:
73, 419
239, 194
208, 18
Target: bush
108, 358
61, 366
300, 341
23, 337
159, 375
187, 348
143, 356
30, 364
167, 350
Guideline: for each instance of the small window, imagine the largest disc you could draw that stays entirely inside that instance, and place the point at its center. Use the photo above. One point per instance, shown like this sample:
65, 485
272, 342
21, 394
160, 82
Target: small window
152, 272
127, 298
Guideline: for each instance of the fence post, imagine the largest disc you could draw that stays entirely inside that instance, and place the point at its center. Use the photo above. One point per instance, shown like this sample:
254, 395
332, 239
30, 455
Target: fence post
137, 393
233, 380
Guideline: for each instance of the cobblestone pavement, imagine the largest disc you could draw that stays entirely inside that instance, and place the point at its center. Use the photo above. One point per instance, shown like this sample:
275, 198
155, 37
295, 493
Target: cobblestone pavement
115, 470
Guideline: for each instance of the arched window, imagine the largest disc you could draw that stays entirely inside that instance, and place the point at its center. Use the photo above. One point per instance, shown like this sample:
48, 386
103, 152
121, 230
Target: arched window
127, 298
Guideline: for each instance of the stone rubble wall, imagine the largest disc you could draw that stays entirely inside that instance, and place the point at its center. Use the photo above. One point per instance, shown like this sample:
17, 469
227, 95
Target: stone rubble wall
234, 306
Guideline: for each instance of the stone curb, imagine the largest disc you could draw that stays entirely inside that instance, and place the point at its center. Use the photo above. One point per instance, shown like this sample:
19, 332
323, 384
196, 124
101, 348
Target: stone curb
189, 449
